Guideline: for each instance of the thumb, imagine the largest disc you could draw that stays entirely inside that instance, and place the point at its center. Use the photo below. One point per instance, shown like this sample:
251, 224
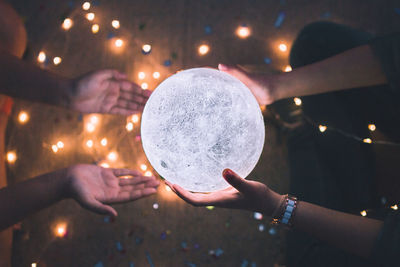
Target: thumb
234, 71
237, 182
98, 207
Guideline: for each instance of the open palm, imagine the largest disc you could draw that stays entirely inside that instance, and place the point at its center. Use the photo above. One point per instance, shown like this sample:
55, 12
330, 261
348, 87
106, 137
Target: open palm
94, 187
107, 91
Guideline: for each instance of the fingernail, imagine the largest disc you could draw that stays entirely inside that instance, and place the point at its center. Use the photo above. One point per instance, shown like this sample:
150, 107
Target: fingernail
228, 173
222, 67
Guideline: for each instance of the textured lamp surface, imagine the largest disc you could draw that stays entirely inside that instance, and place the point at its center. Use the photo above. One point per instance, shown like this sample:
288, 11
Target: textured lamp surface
199, 122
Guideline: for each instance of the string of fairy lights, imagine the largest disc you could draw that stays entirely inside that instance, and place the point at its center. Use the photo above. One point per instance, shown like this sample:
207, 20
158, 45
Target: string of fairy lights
93, 121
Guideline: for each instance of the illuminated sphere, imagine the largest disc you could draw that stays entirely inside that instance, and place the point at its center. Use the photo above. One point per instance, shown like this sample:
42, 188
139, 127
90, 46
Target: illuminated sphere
197, 123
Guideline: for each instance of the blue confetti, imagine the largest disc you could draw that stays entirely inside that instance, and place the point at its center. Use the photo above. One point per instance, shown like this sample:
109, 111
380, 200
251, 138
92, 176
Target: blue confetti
196, 246
131, 264
190, 264
219, 252
253, 264
110, 35
207, 29
107, 219
71, 4
163, 236
279, 20
267, 60
149, 259
96, 3
245, 263
99, 264
261, 227
119, 246
167, 63
397, 10
326, 15
138, 240
80, 117
383, 200
272, 231
184, 245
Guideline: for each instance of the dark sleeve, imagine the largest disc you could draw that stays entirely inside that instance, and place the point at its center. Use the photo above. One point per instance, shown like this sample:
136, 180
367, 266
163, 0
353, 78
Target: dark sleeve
387, 49
387, 247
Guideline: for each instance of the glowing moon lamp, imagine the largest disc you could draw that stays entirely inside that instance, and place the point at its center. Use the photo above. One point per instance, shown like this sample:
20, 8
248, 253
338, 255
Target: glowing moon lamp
197, 123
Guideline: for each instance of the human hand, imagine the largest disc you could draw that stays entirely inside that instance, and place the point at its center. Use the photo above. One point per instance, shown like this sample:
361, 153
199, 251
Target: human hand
244, 194
107, 91
261, 85
94, 187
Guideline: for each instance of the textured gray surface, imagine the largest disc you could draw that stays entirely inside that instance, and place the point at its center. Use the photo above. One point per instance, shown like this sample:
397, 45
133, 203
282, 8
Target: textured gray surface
198, 123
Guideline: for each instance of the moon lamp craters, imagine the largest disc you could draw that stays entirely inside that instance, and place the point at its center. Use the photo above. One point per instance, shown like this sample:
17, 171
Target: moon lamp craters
198, 123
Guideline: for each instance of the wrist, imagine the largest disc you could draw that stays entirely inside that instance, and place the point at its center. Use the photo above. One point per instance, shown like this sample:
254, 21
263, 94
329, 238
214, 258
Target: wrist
273, 203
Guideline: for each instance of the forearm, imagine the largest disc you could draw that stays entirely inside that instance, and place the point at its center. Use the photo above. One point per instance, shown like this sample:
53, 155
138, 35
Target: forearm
23, 199
354, 68
352, 233
24, 80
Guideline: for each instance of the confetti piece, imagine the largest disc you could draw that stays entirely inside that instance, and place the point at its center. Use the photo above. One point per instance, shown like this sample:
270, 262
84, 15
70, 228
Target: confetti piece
190, 264
383, 200
174, 55
326, 15
227, 224
142, 26
167, 63
99, 264
163, 236
110, 35
119, 246
71, 4
279, 20
138, 138
184, 245
107, 219
168, 232
196, 246
149, 259
138, 240
261, 227
207, 29
131, 264
257, 216
210, 207
219, 252
272, 231
267, 60
80, 117
245, 263
253, 264
96, 3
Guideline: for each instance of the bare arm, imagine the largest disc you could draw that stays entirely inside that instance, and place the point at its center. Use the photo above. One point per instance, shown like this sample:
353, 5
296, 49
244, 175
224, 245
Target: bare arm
354, 234
357, 67
92, 186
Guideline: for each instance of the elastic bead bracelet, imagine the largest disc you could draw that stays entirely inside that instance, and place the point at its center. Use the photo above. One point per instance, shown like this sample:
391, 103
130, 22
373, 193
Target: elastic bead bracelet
285, 213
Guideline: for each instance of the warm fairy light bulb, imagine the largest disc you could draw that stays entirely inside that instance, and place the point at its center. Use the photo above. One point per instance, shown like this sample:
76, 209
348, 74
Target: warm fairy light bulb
89, 143
243, 32
141, 75
129, 126
297, 101
367, 140
115, 23
372, 127
41, 57
394, 207
119, 43
135, 118
156, 75
105, 165
60, 144
363, 213
90, 127
112, 156
57, 60
11, 157
33, 264
104, 141
148, 174
143, 167
203, 49
54, 148
61, 230
94, 119
282, 47
90, 16
146, 48
23, 117
288, 68
168, 188
144, 86
95, 28
322, 128
67, 24
86, 6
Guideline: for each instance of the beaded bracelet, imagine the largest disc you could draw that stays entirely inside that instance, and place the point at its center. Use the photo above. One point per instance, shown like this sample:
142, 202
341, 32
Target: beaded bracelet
284, 214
